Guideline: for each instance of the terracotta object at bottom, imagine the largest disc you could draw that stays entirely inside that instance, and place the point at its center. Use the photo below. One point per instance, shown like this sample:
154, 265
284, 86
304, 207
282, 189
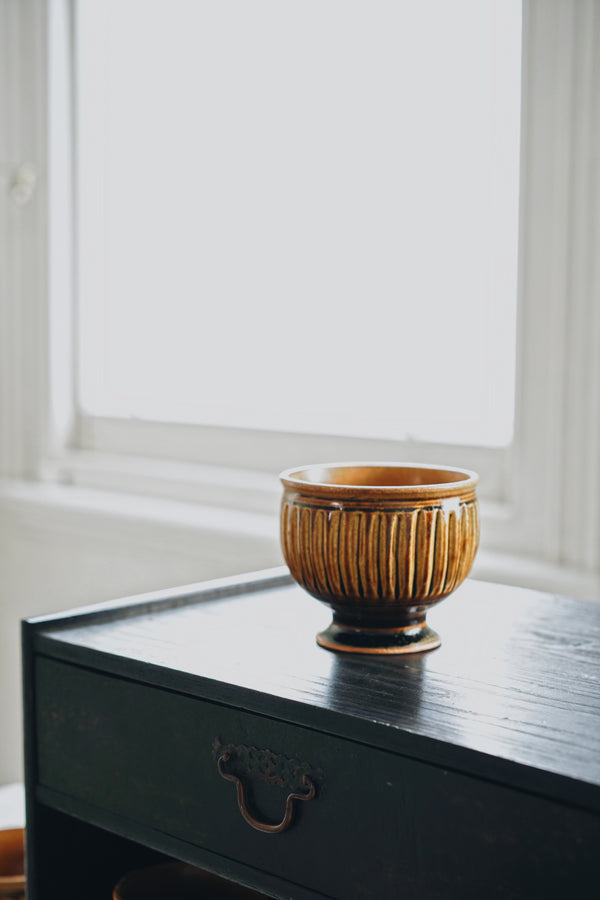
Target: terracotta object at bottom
178, 881
12, 864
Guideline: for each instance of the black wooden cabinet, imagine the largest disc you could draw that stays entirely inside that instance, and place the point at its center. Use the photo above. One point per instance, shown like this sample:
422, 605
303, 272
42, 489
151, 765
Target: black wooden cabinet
471, 771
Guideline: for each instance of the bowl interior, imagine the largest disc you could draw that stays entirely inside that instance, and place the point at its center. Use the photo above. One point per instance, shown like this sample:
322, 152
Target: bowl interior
377, 475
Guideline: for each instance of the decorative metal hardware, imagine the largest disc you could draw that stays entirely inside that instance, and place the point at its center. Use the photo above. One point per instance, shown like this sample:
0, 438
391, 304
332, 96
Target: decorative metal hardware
295, 776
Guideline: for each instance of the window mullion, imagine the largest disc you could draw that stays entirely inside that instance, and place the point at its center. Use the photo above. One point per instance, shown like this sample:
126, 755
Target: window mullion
580, 519
556, 438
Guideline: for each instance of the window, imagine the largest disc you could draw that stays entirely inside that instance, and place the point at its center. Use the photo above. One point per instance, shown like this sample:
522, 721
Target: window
304, 219
541, 479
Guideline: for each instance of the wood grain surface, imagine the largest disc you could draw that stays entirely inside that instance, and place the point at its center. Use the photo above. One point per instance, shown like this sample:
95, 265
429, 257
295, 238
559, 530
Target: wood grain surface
512, 695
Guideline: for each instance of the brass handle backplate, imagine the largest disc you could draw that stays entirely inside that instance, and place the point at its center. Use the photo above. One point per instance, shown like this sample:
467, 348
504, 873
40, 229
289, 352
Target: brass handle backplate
266, 827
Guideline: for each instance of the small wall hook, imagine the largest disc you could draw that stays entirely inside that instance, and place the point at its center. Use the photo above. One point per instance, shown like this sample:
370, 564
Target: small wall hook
22, 183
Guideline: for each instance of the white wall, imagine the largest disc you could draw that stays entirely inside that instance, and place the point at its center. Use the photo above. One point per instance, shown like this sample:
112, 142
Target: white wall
52, 561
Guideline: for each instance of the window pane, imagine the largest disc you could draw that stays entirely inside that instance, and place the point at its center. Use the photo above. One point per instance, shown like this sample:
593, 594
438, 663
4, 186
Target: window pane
300, 215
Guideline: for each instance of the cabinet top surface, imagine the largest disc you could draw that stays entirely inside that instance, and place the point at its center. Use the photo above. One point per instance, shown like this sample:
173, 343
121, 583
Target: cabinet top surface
516, 682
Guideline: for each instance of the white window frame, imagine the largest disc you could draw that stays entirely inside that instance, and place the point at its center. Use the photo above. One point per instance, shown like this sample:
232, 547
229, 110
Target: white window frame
541, 497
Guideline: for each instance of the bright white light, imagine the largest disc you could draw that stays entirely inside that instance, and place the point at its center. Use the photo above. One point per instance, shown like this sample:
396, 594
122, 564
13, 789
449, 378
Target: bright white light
300, 215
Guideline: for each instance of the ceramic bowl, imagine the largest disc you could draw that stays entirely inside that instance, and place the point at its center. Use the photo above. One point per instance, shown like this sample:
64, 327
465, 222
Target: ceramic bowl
380, 543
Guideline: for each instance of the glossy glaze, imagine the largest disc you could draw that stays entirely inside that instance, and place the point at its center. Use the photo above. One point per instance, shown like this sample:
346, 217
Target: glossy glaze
380, 544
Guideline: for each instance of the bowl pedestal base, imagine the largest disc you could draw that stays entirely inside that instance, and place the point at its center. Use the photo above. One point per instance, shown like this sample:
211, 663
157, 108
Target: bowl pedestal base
414, 638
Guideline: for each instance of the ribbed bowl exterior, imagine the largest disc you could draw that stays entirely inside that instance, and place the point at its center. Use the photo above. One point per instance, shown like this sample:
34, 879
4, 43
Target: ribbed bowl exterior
413, 554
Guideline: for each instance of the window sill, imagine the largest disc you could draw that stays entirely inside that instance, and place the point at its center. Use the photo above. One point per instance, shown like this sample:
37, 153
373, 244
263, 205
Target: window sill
167, 525
179, 526
225, 487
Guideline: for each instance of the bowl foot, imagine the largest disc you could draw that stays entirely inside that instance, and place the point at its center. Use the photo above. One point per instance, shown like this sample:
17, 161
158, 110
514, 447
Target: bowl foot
415, 638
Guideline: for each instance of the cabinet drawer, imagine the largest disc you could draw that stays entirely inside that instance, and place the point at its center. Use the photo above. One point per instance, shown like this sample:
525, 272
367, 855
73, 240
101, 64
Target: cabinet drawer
150, 755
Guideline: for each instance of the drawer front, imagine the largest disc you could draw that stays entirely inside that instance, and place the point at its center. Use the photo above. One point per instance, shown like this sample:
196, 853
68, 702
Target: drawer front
379, 826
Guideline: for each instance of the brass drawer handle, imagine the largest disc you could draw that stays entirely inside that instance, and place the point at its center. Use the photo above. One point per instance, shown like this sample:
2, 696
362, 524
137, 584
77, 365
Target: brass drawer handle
241, 799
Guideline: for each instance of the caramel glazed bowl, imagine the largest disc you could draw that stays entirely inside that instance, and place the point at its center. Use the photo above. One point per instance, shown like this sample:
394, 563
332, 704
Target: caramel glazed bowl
380, 543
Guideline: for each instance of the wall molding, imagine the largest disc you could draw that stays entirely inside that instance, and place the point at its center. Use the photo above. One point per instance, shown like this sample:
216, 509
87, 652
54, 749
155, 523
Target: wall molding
556, 454
23, 259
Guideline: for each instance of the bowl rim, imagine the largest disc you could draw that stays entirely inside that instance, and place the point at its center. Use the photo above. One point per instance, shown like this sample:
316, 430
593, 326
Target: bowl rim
291, 478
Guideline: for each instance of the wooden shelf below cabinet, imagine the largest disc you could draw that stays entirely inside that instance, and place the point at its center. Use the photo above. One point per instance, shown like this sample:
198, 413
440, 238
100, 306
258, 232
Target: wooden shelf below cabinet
471, 770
